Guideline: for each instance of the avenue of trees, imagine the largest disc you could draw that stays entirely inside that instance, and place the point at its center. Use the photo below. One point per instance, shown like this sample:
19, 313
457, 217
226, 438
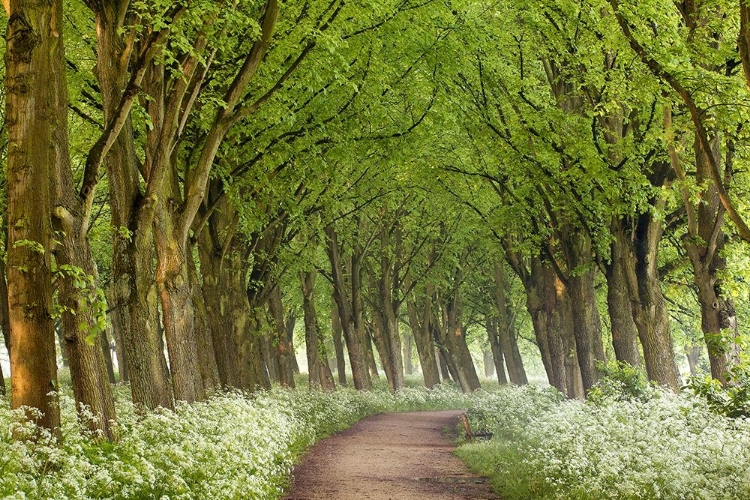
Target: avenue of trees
191, 180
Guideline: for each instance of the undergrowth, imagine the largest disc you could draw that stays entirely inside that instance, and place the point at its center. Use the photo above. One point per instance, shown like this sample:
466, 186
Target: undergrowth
629, 441
232, 446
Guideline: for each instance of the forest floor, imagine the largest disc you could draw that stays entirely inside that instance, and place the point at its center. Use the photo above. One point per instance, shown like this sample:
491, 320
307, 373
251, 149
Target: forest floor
392, 456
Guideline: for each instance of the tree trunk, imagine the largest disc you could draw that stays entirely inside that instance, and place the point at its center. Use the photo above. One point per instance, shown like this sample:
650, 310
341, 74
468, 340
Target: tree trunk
496, 351
33, 43
282, 346
338, 345
649, 308
4, 313
107, 353
177, 311
586, 322
445, 371
352, 335
209, 370
291, 323
624, 330
693, 355
408, 365
134, 285
318, 369
507, 336
370, 354
116, 320
420, 328
223, 290
458, 351
548, 304
488, 362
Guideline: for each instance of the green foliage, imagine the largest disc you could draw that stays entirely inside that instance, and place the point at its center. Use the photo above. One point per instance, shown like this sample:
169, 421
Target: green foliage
620, 382
732, 400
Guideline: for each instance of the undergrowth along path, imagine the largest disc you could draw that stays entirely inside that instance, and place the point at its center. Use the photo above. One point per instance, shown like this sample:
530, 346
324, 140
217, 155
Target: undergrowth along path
391, 456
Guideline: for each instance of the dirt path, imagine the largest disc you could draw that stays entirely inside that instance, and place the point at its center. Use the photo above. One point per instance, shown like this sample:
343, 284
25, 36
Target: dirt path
394, 456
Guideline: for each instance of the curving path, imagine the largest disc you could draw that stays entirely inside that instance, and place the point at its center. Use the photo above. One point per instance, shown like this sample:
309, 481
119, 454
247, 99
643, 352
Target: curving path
393, 456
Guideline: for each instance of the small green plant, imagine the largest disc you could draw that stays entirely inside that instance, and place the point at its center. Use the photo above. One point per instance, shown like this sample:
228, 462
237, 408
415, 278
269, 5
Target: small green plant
732, 400
620, 382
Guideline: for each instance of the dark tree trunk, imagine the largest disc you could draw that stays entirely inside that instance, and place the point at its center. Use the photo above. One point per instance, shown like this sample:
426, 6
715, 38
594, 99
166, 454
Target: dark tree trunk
549, 306
351, 325
370, 354
586, 322
338, 345
496, 351
209, 370
134, 286
31, 123
507, 336
455, 340
624, 330
420, 317
317, 365
648, 305
223, 290
282, 347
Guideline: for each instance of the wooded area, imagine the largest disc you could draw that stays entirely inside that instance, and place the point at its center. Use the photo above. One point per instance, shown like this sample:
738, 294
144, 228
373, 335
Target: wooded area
189, 182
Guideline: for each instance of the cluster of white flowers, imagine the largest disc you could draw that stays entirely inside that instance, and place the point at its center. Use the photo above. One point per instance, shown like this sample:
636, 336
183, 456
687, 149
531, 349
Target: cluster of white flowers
669, 446
230, 446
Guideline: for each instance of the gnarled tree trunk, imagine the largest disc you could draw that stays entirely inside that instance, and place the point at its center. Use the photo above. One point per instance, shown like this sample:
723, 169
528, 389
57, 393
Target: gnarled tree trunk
31, 54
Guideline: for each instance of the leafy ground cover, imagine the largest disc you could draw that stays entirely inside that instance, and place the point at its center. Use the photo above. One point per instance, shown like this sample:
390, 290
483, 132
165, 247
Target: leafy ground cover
619, 445
230, 446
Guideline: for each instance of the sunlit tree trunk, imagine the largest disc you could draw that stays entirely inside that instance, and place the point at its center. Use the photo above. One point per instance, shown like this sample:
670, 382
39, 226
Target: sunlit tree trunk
32, 48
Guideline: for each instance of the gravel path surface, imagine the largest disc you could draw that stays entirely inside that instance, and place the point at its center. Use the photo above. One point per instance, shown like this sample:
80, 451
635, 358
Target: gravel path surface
393, 456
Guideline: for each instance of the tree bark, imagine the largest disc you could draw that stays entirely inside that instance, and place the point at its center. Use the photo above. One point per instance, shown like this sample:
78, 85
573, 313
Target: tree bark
507, 336
134, 287
177, 310
586, 321
282, 347
209, 370
624, 329
496, 351
455, 340
548, 304
419, 320
408, 364
353, 337
338, 345
317, 365
648, 305
31, 53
